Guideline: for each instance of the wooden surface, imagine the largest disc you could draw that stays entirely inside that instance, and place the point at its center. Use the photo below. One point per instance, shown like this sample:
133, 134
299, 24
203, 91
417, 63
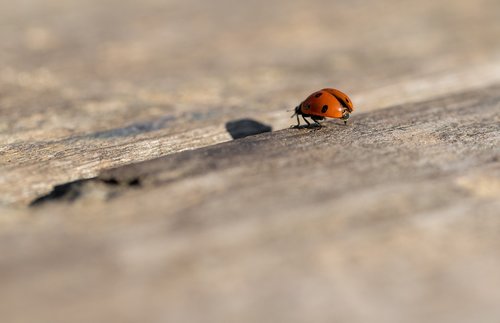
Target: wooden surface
394, 217
89, 85
159, 216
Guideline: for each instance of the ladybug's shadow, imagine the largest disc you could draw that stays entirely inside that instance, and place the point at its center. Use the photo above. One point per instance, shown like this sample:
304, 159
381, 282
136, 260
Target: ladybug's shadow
307, 126
316, 126
242, 128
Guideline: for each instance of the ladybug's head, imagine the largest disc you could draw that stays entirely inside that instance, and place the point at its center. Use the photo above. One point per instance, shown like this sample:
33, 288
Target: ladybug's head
297, 111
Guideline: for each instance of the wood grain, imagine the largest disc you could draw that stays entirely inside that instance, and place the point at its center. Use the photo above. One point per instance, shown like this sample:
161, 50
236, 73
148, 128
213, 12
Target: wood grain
86, 86
116, 126
391, 218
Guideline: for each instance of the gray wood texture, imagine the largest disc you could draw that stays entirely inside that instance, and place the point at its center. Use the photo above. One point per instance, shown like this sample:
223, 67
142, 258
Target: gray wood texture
123, 197
90, 85
391, 218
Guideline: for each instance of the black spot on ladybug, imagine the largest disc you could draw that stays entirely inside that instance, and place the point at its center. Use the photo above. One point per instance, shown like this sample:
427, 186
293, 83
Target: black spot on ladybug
307, 107
318, 95
324, 109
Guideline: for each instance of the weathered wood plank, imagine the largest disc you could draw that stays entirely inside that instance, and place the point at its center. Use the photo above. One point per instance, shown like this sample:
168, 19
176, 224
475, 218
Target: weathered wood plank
392, 218
83, 90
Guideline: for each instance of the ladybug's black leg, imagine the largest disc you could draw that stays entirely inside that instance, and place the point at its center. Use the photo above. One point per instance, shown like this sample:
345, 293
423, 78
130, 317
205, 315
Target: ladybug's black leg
298, 122
315, 119
308, 123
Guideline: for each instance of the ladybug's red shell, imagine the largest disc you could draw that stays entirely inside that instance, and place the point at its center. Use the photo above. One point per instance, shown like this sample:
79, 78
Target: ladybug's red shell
342, 97
327, 102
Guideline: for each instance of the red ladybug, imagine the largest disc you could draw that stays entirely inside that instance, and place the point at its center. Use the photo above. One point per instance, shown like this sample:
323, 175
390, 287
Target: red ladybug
329, 103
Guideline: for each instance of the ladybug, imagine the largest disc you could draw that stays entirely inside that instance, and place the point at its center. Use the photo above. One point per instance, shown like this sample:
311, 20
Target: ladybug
327, 102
